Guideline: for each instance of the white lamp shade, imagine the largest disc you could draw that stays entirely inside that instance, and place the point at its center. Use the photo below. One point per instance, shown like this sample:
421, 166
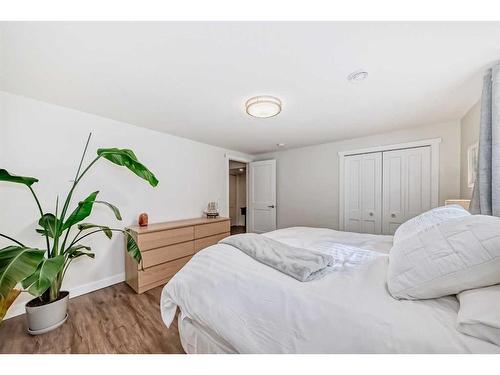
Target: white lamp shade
263, 106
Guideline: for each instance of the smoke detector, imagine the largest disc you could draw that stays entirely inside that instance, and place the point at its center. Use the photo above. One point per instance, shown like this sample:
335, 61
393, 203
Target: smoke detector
357, 76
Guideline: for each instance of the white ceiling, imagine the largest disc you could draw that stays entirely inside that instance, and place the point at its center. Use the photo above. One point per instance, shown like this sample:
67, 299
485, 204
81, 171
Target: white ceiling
192, 79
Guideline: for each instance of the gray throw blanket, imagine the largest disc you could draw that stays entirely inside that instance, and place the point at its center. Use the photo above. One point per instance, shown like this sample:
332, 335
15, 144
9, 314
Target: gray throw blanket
301, 264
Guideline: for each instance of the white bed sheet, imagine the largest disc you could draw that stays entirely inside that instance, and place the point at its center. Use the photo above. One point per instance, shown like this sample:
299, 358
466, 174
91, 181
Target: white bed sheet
196, 339
253, 308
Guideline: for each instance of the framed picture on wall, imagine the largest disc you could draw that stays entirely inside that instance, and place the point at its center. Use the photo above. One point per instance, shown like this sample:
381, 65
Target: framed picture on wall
472, 163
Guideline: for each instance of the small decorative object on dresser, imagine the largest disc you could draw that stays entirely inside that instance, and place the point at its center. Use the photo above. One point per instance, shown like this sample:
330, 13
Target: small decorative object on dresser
465, 203
167, 247
143, 220
212, 210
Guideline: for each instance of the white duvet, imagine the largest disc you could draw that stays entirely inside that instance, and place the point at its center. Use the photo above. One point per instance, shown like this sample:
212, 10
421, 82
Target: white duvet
257, 309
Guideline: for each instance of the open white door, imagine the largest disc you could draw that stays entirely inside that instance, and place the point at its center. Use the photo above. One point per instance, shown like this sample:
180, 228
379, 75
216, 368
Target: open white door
262, 196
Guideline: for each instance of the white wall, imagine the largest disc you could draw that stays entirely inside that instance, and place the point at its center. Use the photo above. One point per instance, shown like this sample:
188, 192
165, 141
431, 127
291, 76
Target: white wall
469, 135
307, 178
2, 149
45, 141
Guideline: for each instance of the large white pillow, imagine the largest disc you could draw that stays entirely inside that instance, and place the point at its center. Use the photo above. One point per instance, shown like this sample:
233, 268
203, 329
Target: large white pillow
479, 313
446, 258
428, 219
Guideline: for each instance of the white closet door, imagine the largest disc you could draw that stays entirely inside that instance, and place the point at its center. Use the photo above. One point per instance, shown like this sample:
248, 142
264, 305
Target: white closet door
406, 185
363, 193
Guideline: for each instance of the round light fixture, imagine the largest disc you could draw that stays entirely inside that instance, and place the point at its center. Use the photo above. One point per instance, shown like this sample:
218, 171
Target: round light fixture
264, 106
280, 145
357, 76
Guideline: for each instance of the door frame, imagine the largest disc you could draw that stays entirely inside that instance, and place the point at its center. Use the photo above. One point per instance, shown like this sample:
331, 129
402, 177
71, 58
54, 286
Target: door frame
235, 222
241, 159
433, 143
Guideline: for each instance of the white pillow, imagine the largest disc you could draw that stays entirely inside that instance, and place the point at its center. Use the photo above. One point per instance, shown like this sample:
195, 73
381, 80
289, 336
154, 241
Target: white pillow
479, 313
428, 219
446, 258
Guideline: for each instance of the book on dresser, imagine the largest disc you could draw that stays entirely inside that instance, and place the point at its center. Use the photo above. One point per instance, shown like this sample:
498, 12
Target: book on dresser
167, 247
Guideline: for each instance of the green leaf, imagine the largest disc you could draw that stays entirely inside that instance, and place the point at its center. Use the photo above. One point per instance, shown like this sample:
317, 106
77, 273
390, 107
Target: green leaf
48, 222
6, 176
78, 251
115, 209
105, 229
127, 158
44, 276
5, 303
17, 263
81, 212
132, 248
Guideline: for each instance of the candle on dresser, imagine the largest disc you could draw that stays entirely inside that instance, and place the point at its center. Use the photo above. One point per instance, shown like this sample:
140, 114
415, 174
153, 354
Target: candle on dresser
143, 220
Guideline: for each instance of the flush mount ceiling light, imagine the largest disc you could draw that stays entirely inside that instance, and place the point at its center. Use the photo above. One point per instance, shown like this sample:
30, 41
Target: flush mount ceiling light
263, 106
357, 76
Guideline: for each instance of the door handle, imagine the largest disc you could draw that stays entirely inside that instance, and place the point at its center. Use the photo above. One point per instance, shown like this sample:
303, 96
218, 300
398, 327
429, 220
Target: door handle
393, 215
371, 214
272, 206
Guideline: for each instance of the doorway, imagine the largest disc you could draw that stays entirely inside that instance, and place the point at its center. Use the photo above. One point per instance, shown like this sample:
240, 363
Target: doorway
238, 196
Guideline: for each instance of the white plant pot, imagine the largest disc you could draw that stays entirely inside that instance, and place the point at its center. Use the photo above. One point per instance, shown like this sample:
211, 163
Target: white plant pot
47, 317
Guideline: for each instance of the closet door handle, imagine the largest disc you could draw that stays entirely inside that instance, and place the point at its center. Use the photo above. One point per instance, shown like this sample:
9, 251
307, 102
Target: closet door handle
371, 214
393, 215
272, 206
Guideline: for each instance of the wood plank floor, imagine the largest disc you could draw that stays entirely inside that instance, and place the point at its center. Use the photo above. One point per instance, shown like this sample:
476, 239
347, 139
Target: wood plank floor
237, 229
110, 320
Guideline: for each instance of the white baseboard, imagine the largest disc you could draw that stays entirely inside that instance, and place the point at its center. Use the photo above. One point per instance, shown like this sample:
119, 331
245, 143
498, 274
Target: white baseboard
18, 308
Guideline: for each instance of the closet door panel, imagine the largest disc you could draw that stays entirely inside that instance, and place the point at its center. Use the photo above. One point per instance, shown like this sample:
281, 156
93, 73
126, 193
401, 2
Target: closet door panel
418, 172
352, 204
406, 186
371, 193
363, 189
394, 185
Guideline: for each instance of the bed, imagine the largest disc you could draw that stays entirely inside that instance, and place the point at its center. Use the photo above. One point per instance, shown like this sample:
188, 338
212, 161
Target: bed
231, 303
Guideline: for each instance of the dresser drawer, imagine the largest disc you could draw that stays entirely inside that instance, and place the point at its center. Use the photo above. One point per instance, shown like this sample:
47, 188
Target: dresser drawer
211, 229
201, 243
161, 272
153, 240
167, 247
166, 253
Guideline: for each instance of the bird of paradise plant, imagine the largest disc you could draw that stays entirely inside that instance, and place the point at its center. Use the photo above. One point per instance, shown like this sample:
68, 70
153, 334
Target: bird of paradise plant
41, 271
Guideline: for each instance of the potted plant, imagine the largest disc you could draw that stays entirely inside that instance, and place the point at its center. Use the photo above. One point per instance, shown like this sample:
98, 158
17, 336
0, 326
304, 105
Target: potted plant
41, 271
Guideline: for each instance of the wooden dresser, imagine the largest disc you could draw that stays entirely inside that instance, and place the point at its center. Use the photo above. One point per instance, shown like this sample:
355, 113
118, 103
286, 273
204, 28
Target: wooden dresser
166, 247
